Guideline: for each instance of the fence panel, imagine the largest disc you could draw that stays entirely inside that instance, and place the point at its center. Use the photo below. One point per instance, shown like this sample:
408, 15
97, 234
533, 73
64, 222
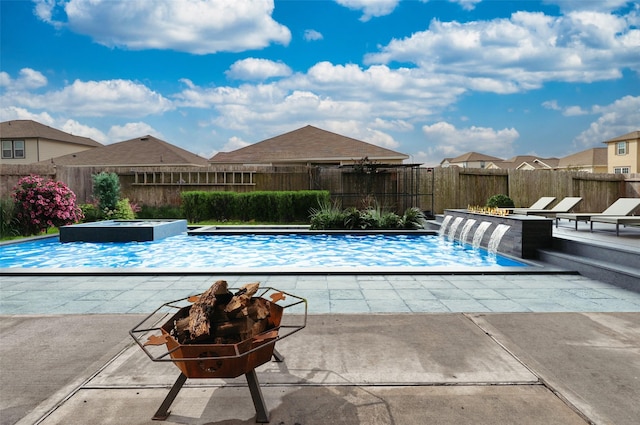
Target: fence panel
431, 189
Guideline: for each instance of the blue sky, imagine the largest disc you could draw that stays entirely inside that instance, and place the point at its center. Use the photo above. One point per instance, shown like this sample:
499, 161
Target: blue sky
431, 79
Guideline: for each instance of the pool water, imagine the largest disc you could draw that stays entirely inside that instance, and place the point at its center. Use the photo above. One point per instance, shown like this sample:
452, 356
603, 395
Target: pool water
254, 251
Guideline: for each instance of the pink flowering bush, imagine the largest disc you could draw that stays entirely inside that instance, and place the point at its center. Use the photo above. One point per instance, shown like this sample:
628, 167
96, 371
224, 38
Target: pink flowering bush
40, 205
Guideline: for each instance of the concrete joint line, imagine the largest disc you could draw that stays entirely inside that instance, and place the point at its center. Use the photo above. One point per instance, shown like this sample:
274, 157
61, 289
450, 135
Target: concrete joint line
79, 387
541, 380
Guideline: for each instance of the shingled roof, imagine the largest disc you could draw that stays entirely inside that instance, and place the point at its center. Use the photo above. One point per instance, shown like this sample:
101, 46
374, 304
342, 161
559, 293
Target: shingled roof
309, 145
474, 156
27, 129
595, 157
141, 151
629, 136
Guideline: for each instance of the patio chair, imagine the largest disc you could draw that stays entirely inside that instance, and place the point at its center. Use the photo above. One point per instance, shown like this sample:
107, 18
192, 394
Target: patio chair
625, 220
540, 204
620, 208
564, 206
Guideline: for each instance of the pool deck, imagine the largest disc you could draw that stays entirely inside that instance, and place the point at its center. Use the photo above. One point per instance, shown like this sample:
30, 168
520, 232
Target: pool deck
554, 348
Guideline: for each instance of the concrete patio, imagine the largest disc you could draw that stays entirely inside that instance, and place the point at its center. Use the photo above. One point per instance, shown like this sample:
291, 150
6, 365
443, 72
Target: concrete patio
546, 348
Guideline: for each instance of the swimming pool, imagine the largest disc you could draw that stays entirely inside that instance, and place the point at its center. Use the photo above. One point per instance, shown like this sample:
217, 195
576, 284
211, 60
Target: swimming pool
258, 252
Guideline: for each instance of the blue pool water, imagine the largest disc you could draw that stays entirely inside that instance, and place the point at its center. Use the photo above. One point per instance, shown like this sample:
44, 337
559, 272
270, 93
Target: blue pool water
254, 251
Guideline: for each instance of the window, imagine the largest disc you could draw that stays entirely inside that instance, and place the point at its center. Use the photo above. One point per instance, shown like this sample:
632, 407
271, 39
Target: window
12, 149
621, 148
621, 170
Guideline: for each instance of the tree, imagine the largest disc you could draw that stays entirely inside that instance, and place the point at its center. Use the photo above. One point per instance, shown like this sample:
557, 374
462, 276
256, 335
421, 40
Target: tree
106, 190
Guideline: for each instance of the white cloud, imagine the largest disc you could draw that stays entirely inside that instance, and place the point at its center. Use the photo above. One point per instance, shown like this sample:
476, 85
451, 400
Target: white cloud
234, 143
466, 4
10, 113
568, 111
551, 104
194, 26
257, 69
523, 52
120, 133
618, 118
573, 111
445, 140
598, 5
395, 125
64, 124
74, 127
370, 8
327, 92
312, 35
90, 98
27, 79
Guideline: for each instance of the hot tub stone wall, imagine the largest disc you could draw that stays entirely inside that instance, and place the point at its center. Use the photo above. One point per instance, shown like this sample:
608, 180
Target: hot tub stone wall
525, 236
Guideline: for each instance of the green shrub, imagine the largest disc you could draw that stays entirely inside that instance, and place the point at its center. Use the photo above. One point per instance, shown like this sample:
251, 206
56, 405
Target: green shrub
9, 225
106, 190
500, 201
266, 206
159, 212
352, 219
91, 212
327, 216
390, 220
413, 218
371, 218
123, 211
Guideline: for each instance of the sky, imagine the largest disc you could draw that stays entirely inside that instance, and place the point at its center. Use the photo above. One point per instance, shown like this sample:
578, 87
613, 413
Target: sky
432, 79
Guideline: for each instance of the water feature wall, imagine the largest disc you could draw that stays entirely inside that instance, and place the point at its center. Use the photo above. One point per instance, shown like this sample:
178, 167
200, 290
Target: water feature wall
516, 235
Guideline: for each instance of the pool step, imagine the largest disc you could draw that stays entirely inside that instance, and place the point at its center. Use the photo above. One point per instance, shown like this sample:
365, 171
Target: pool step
617, 266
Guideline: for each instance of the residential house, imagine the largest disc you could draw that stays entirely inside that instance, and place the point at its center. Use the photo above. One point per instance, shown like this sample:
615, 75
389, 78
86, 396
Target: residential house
469, 160
309, 146
524, 162
623, 153
592, 160
27, 141
145, 151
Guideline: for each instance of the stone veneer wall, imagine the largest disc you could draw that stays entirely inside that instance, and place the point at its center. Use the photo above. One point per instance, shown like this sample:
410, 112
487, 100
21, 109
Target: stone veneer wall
525, 236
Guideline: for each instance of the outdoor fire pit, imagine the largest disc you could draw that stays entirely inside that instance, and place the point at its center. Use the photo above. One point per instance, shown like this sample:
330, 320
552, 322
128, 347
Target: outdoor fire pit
221, 333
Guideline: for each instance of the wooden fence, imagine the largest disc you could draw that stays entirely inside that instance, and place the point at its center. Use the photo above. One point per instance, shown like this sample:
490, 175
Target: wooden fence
394, 188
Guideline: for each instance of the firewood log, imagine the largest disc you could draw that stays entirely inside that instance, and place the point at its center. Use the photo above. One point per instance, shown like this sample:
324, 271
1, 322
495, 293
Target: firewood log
199, 324
241, 299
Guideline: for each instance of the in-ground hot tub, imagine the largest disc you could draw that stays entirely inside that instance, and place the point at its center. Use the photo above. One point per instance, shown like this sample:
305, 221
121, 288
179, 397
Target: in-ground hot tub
122, 230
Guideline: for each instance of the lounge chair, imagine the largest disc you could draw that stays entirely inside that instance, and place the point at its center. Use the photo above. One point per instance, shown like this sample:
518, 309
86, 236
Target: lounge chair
564, 206
621, 208
617, 220
540, 204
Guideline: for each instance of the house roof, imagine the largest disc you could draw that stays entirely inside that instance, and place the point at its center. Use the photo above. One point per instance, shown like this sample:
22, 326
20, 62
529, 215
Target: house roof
27, 129
628, 136
591, 157
141, 151
474, 156
307, 144
527, 162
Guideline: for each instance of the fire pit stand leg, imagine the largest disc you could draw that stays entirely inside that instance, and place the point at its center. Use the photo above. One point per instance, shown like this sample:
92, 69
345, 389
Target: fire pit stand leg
163, 411
262, 416
277, 356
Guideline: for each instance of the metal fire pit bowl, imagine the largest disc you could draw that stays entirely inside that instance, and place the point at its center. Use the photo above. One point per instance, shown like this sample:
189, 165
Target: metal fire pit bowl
218, 360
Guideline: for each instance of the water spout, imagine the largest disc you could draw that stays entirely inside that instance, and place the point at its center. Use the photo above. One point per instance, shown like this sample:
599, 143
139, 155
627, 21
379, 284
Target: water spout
466, 229
496, 237
477, 236
454, 228
443, 226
